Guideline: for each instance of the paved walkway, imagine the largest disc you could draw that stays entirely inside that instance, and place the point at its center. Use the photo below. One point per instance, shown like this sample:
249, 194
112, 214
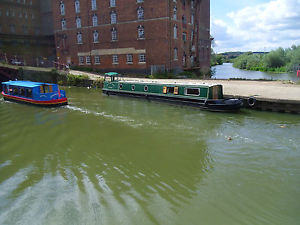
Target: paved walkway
264, 90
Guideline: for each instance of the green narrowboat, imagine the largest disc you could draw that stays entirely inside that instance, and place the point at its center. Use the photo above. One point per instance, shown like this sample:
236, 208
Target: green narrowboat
204, 96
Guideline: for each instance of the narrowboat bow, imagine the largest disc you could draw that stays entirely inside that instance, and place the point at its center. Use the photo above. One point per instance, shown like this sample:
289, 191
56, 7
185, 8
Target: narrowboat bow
35, 93
205, 96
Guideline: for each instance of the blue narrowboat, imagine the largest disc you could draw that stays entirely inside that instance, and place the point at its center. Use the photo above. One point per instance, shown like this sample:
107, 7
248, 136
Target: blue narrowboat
36, 93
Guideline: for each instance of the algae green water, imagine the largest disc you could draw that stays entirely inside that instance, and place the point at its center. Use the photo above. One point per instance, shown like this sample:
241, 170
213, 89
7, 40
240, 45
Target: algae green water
115, 160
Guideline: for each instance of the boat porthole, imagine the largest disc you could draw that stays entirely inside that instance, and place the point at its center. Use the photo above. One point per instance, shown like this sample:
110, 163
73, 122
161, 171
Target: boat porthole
251, 101
145, 88
132, 87
121, 86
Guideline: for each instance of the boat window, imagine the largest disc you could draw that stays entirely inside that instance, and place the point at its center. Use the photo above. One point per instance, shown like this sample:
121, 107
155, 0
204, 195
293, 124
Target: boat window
46, 88
42, 89
28, 93
15, 91
175, 90
145, 88
132, 87
170, 90
50, 88
165, 90
192, 91
121, 86
22, 91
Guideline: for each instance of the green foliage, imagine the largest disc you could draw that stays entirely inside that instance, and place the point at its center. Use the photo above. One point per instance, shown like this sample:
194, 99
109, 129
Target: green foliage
216, 59
164, 75
277, 61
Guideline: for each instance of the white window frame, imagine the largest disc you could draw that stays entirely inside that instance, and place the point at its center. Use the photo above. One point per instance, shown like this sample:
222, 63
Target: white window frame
115, 59
94, 4
81, 60
184, 36
77, 6
129, 58
141, 32
95, 20
142, 58
63, 24
112, 3
62, 8
113, 17
186, 90
175, 54
175, 33
95, 36
97, 59
140, 13
88, 59
79, 38
114, 34
78, 22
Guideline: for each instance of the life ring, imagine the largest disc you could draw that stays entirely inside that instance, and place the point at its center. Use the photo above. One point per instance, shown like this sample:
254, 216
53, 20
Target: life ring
251, 101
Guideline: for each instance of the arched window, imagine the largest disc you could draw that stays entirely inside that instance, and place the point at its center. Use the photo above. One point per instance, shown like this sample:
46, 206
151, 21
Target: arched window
175, 31
78, 22
113, 17
114, 34
141, 32
95, 20
62, 8
79, 38
94, 5
175, 13
77, 6
96, 36
140, 13
63, 24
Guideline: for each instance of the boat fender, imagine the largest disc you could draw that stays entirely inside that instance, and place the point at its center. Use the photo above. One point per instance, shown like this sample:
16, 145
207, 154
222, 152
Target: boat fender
251, 101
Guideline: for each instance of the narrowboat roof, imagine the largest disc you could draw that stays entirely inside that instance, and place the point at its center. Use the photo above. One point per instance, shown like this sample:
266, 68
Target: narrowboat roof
22, 83
187, 84
111, 74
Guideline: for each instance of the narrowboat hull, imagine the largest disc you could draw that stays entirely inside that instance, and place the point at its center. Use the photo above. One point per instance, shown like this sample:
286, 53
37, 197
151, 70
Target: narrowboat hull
220, 105
47, 103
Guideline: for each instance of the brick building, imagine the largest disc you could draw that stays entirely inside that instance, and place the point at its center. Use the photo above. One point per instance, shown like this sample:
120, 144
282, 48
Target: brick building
137, 36
26, 31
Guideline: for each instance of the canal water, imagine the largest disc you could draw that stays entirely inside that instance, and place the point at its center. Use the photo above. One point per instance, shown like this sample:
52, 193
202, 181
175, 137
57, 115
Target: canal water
227, 71
117, 160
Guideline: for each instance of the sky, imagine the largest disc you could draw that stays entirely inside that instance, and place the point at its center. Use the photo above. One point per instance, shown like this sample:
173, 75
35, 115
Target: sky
254, 25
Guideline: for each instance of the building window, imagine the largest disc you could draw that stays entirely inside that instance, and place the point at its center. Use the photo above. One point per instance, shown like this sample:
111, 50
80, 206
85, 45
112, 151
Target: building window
62, 8
141, 32
183, 20
81, 60
96, 36
77, 6
25, 15
129, 58
78, 22
63, 24
94, 4
175, 31
79, 38
113, 17
184, 36
12, 28
175, 13
192, 4
192, 60
140, 13
114, 34
142, 58
97, 59
112, 3
88, 59
139, 1
25, 29
95, 20
115, 59
184, 59
175, 54
21, 15
32, 16
192, 19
